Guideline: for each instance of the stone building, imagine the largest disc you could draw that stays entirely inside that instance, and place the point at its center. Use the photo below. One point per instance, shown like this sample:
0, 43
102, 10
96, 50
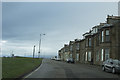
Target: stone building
66, 54
82, 51
61, 53
106, 40
99, 44
71, 49
89, 52
77, 50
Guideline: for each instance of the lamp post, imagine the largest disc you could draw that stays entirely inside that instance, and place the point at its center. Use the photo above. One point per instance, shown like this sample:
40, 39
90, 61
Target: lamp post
33, 51
40, 45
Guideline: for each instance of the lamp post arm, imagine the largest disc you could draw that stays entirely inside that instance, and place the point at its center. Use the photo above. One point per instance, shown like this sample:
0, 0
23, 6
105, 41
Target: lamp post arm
40, 45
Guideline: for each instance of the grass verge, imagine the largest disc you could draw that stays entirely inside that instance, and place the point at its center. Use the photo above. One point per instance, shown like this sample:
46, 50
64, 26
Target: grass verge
16, 67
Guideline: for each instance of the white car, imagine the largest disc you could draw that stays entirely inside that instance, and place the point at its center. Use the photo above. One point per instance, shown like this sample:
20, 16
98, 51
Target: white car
52, 58
111, 65
58, 59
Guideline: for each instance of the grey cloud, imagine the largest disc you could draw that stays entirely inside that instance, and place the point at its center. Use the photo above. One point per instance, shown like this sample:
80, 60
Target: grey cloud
62, 22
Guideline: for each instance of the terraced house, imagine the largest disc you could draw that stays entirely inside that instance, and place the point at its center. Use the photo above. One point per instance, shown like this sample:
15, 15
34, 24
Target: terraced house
99, 44
64, 53
107, 40
77, 49
71, 49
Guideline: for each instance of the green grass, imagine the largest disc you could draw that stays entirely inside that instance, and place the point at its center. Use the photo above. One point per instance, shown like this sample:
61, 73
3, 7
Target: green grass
15, 67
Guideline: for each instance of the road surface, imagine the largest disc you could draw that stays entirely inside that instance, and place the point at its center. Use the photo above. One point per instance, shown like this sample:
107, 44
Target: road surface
59, 69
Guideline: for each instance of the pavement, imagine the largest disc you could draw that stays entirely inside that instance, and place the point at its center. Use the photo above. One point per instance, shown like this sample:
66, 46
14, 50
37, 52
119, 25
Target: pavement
59, 69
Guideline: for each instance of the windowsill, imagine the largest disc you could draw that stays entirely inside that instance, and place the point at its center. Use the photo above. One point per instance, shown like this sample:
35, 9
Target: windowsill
89, 47
105, 42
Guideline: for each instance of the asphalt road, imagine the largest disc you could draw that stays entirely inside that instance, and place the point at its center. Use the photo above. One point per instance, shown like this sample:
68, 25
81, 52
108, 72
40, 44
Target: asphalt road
59, 69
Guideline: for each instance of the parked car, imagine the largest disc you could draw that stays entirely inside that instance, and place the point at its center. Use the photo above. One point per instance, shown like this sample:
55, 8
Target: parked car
111, 65
70, 60
52, 58
58, 59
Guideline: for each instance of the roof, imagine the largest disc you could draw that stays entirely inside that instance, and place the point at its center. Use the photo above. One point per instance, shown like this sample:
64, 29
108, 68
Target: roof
113, 17
106, 25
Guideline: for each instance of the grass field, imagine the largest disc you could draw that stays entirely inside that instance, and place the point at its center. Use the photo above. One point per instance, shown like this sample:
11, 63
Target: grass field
15, 67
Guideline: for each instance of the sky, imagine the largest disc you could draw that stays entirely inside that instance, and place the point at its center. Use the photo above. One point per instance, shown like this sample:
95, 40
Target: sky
23, 22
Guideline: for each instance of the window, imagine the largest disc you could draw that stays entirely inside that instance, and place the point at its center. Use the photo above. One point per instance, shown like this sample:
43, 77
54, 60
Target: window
102, 54
77, 46
96, 30
77, 57
107, 52
89, 41
107, 32
66, 49
97, 55
71, 48
86, 56
102, 38
89, 56
70, 55
107, 36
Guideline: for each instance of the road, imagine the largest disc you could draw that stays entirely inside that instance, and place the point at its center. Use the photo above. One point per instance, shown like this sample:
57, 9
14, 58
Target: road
59, 69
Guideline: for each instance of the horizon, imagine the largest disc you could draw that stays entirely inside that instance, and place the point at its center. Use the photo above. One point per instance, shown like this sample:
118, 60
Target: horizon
61, 22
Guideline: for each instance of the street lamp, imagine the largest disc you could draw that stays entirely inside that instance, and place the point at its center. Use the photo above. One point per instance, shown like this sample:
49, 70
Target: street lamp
33, 51
40, 45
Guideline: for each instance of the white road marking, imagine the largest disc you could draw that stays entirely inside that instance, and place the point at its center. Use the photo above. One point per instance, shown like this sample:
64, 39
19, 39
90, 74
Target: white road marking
34, 71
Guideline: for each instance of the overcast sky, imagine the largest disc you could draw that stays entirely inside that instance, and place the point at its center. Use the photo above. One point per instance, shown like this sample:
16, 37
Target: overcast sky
23, 22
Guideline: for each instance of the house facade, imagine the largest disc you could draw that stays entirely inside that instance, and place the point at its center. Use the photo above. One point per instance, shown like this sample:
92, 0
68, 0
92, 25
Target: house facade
77, 50
99, 44
71, 49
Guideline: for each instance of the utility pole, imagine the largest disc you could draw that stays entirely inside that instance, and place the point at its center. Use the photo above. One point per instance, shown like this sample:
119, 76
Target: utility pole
12, 55
40, 45
33, 51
